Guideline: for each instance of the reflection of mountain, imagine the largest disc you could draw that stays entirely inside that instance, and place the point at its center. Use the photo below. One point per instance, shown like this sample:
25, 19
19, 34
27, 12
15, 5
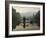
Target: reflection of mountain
27, 14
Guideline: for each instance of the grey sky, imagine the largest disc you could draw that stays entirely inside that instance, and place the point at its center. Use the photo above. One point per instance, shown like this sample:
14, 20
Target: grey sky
26, 11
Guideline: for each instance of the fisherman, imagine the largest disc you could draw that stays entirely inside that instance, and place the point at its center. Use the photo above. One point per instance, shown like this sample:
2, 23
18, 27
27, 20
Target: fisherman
24, 22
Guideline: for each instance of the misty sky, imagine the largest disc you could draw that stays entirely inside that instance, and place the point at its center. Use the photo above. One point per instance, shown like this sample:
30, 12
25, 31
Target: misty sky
26, 11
